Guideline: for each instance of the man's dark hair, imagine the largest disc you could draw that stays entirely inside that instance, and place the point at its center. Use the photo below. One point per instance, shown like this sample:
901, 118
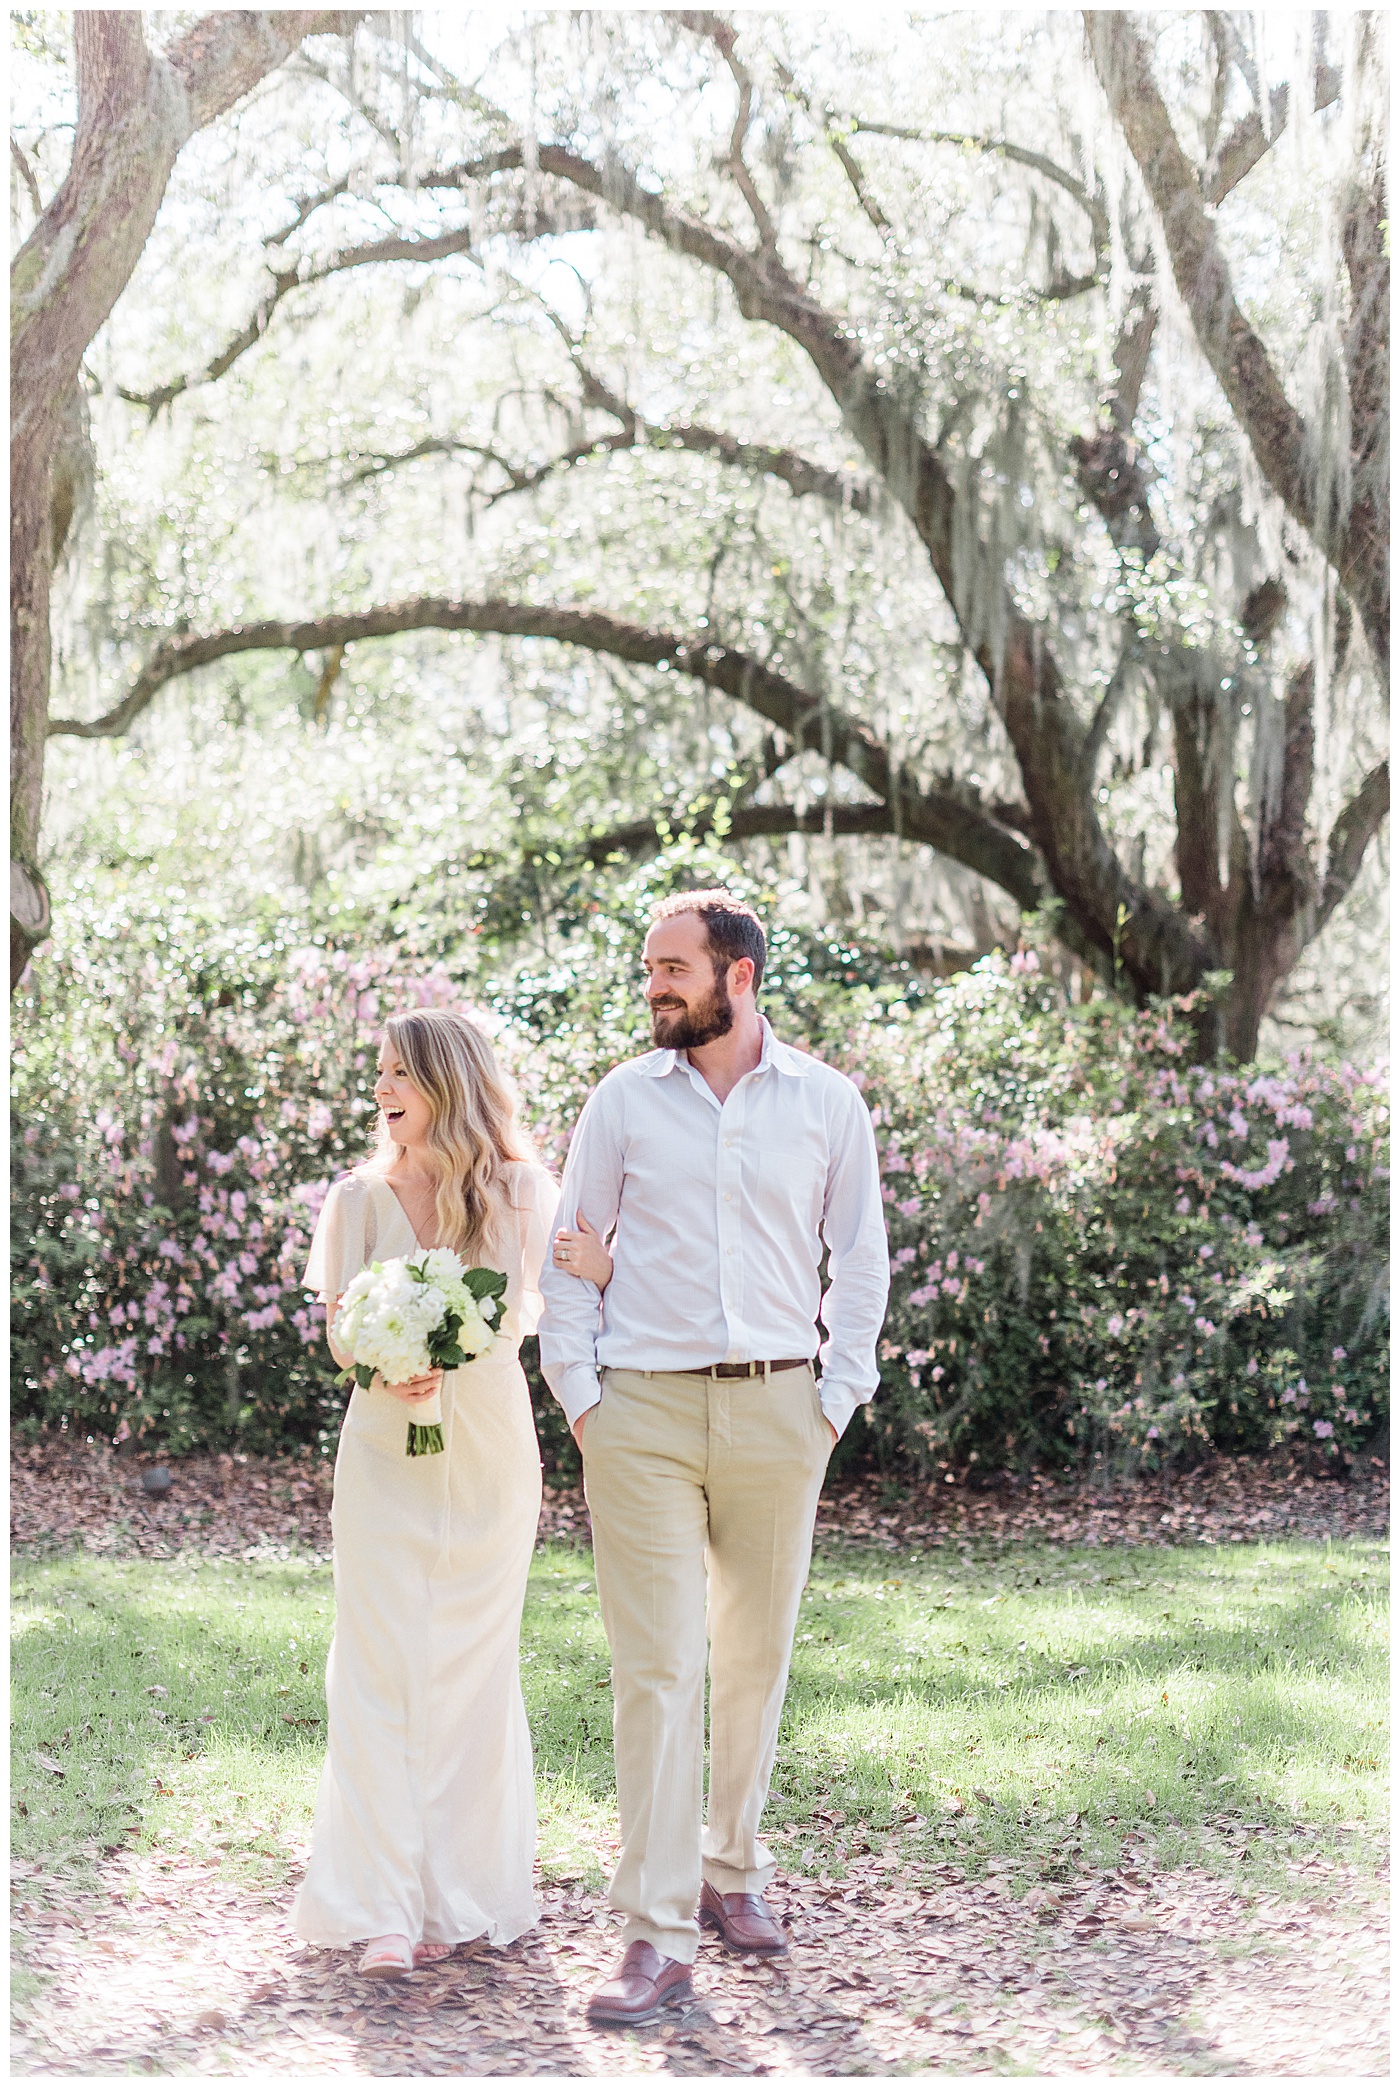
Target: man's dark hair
732, 929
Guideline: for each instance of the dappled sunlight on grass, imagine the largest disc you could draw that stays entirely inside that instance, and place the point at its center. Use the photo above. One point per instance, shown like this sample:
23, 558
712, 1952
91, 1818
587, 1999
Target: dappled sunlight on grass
182, 1702
1023, 1711
1037, 1706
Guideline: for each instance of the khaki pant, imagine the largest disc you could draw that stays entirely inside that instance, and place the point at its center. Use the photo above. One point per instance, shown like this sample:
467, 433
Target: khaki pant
698, 1487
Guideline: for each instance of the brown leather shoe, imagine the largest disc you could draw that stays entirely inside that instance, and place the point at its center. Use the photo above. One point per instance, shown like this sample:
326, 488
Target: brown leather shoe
742, 1922
646, 1984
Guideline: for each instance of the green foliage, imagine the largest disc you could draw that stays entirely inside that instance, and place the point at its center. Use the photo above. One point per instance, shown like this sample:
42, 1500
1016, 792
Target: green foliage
1097, 1251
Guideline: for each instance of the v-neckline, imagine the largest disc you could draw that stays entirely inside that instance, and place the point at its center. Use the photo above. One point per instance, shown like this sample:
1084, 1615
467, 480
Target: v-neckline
406, 1218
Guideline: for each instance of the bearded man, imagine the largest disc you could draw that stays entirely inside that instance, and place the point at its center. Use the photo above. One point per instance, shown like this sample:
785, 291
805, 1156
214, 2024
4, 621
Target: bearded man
729, 1163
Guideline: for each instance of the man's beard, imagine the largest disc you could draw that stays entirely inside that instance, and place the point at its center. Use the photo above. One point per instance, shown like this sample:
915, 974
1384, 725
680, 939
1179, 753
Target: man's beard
686, 1028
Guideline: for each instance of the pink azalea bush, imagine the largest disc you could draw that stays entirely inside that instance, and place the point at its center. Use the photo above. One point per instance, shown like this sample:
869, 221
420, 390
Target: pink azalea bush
180, 1109
1096, 1248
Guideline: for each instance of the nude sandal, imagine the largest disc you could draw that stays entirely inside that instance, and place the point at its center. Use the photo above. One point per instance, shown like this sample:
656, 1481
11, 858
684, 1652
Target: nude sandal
387, 1956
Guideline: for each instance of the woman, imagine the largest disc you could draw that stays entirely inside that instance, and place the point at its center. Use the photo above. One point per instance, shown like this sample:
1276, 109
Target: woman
424, 1833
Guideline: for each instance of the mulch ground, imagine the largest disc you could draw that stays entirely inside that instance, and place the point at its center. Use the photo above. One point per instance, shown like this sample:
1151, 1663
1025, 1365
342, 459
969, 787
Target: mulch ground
175, 1969
177, 1972
65, 1494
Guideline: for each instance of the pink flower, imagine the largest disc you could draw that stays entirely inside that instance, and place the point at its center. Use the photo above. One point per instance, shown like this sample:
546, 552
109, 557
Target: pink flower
1322, 1429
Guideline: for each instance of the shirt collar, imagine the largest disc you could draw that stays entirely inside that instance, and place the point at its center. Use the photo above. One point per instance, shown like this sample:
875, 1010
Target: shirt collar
782, 1057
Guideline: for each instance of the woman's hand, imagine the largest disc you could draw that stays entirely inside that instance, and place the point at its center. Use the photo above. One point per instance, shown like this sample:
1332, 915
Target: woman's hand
583, 1253
413, 1390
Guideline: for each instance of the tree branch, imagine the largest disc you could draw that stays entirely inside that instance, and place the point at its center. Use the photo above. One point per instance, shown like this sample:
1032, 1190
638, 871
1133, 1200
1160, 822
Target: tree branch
26, 173
224, 53
802, 477
1103, 717
238, 344
1354, 541
744, 823
1242, 149
1021, 155
403, 247
736, 165
1110, 464
845, 158
1349, 839
1108, 914
950, 818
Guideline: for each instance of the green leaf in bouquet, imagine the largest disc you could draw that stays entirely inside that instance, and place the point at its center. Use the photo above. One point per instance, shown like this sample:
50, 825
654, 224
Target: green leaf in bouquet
444, 1349
360, 1373
485, 1282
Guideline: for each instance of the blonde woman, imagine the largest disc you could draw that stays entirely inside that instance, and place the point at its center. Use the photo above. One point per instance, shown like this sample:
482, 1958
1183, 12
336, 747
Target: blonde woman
424, 1833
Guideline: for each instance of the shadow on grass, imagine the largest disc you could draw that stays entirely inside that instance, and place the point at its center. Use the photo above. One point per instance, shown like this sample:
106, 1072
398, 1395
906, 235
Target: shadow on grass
183, 1701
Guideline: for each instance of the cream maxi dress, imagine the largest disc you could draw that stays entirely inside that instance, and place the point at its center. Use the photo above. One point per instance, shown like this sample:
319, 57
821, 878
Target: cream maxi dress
425, 1816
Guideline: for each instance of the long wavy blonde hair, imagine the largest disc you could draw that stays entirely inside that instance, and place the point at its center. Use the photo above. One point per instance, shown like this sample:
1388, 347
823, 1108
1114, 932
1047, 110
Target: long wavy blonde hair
473, 1135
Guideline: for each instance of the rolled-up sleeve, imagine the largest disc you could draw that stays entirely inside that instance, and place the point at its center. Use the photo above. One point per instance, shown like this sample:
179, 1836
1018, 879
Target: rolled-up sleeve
858, 1266
592, 1184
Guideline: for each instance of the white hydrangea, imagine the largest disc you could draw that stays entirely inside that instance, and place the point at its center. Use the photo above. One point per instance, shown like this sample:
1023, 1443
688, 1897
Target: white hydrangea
391, 1308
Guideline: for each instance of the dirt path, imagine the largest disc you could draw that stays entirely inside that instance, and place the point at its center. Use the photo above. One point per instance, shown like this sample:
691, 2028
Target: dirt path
174, 1972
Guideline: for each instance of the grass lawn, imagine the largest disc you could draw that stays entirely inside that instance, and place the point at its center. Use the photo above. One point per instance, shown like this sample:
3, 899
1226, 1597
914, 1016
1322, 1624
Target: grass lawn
1023, 1711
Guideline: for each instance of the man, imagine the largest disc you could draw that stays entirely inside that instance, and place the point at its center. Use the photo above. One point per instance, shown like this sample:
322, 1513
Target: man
728, 1161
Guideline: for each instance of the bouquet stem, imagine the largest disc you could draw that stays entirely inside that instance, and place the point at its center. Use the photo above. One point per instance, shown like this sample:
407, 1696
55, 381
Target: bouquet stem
425, 1441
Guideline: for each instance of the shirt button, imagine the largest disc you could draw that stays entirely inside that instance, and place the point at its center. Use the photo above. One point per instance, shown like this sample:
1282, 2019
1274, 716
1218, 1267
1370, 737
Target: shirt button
729, 1250
729, 1141
727, 1197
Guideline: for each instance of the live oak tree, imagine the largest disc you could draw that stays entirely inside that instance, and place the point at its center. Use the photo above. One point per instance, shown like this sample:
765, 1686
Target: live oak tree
989, 348
136, 108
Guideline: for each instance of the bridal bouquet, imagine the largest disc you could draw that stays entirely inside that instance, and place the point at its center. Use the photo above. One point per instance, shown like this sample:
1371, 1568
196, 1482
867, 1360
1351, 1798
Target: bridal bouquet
401, 1318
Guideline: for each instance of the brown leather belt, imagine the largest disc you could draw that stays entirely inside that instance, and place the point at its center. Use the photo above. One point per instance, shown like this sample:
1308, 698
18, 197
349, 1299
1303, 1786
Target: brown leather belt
749, 1369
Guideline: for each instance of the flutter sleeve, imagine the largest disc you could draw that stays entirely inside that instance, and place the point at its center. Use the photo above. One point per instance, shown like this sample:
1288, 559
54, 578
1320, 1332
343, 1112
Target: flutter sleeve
537, 1201
343, 1241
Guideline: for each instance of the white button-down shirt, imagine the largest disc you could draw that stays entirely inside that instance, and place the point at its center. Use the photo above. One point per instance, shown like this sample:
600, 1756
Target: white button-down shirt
722, 1213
